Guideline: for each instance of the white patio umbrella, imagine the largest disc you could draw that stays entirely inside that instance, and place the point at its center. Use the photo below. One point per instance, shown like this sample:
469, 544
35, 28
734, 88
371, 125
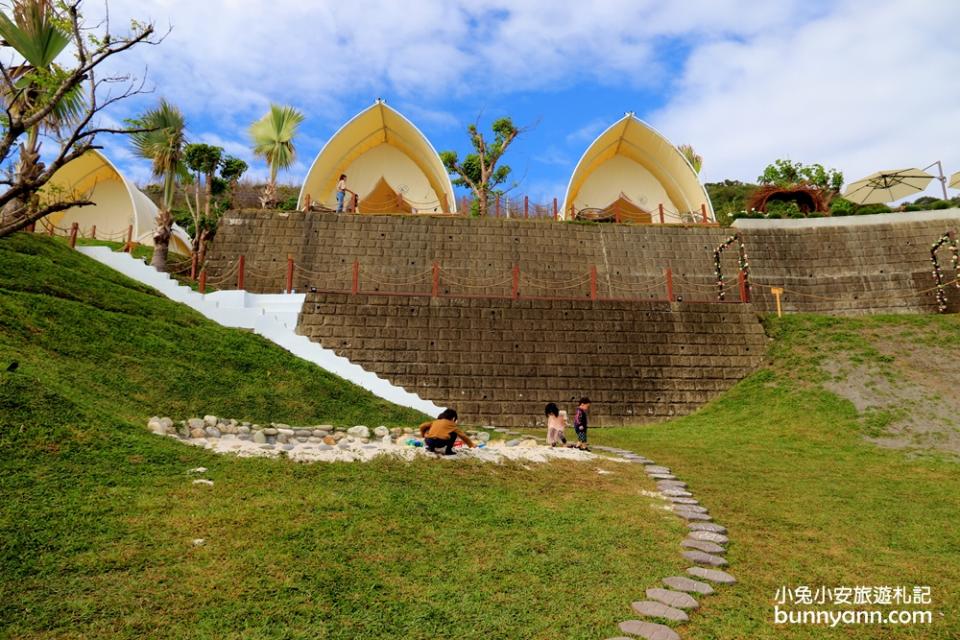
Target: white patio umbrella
955, 180
887, 186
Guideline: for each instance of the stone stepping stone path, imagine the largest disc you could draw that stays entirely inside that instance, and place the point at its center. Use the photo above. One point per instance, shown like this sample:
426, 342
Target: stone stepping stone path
680, 583
705, 558
701, 546
653, 609
708, 536
713, 575
648, 630
675, 599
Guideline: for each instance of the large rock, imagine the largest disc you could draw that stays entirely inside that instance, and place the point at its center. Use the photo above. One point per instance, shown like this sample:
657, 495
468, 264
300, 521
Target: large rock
212, 432
359, 431
155, 426
259, 436
195, 423
381, 431
285, 431
329, 440
270, 431
707, 526
197, 433
321, 433
210, 421
167, 423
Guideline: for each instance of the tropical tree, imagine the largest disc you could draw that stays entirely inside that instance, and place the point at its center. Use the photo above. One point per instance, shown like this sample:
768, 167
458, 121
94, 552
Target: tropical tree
161, 140
786, 173
695, 160
479, 171
272, 137
56, 101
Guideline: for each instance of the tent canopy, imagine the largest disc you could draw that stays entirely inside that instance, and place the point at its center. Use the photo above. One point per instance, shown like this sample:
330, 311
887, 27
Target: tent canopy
632, 160
379, 144
117, 203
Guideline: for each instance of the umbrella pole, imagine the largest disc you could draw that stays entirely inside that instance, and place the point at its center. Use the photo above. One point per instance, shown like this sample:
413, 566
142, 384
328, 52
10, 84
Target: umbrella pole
942, 178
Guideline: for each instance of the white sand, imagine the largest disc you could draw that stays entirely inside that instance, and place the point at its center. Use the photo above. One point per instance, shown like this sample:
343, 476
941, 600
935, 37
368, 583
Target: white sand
495, 451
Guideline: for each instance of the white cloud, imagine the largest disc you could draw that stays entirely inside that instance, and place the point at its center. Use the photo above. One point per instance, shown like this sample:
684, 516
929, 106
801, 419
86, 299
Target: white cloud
853, 84
865, 88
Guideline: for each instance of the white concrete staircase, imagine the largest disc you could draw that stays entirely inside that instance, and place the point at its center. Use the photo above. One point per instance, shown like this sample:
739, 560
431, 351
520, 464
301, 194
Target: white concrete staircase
273, 316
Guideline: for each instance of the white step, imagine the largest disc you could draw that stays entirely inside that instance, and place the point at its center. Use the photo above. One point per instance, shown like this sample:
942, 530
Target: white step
273, 316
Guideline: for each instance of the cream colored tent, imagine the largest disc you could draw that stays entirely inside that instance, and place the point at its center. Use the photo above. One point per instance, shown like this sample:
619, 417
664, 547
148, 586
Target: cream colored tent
118, 203
632, 162
389, 163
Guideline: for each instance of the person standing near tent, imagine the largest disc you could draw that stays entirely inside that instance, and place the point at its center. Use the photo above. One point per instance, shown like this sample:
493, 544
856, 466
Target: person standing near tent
341, 191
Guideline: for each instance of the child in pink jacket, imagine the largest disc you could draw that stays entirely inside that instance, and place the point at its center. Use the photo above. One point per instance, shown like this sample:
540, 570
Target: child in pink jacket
556, 421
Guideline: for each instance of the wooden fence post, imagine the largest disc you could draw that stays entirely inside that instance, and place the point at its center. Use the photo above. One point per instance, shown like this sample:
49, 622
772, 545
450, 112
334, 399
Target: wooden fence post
129, 247
555, 211
289, 273
515, 292
203, 280
703, 210
240, 270
744, 289
668, 274
355, 287
526, 207
435, 289
93, 232
661, 213
74, 230
593, 282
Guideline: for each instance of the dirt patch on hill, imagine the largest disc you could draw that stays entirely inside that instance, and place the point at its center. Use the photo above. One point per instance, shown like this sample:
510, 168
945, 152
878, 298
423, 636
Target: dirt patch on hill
905, 388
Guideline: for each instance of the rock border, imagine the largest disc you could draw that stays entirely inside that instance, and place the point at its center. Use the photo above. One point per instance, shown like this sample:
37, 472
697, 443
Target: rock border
705, 546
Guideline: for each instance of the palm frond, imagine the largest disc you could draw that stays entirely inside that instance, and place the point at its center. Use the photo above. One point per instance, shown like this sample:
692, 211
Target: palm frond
273, 134
34, 32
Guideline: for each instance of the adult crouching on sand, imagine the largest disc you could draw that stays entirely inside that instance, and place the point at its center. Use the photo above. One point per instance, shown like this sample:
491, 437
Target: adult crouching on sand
443, 433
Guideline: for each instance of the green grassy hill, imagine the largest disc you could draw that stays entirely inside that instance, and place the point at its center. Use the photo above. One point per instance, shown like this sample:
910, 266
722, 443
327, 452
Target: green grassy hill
831, 466
97, 515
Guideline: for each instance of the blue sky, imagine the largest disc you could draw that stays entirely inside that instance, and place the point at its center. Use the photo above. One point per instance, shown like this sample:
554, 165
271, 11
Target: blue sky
856, 85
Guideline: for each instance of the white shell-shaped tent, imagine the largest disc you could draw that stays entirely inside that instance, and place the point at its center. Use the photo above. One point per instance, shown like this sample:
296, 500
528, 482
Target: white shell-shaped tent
631, 161
117, 203
379, 148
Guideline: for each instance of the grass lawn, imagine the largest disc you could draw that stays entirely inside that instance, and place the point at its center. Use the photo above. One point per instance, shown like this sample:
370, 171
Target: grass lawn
97, 516
786, 466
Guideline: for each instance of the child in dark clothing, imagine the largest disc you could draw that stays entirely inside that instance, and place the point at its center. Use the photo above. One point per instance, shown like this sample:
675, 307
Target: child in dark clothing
580, 423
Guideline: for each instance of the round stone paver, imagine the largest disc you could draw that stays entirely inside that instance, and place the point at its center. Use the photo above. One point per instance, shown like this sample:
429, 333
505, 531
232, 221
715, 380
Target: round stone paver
693, 507
681, 583
671, 484
677, 493
705, 558
703, 545
653, 609
675, 599
713, 575
707, 526
709, 536
648, 630
676, 500
692, 515
662, 476
657, 469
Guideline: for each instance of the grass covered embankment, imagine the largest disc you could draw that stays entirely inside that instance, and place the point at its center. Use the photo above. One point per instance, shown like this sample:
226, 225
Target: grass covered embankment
97, 515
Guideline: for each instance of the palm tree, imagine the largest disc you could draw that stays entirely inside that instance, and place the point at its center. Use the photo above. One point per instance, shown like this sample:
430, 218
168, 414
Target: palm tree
272, 137
695, 160
39, 37
161, 141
